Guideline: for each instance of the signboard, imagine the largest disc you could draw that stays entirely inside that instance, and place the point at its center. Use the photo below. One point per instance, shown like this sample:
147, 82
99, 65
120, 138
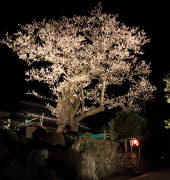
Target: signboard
29, 132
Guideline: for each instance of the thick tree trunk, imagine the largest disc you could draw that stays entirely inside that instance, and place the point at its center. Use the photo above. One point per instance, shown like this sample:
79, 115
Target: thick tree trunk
67, 107
76, 145
66, 110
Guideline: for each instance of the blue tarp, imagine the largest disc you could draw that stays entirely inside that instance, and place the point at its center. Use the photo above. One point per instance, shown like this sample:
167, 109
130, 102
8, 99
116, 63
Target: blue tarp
24, 123
95, 136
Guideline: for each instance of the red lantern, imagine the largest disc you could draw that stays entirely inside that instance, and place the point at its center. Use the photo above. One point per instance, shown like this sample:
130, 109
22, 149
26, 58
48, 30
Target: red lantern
134, 142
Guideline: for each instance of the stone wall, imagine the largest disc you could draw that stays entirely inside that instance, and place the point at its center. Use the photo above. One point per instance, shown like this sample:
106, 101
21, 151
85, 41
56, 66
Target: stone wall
89, 170
107, 161
102, 161
27, 164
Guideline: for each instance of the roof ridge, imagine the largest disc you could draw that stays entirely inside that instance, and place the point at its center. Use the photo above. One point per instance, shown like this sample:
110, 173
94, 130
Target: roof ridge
32, 103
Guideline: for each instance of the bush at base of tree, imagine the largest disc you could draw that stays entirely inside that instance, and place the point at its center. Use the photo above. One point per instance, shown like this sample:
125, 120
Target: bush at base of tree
54, 138
39, 133
104, 128
22, 139
8, 137
67, 163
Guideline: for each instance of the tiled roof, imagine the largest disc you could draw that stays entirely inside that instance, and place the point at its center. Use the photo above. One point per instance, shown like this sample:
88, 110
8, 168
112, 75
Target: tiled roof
36, 110
46, 123
53, 124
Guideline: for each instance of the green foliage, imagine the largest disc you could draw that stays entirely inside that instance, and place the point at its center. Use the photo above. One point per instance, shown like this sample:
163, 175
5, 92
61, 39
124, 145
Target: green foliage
39, 134
67, 163
82, 147
22, 139
104, 128
167, 124
167, 88
74, 163
127, 125
111, 130
91, 146
87, 135
74, 137
8, 137
54, 138
103, 147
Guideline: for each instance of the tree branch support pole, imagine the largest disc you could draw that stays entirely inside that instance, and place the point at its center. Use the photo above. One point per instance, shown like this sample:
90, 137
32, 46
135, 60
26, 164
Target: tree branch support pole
139, 149
103, 88
104, 134
132, 156
126, 154
42, 119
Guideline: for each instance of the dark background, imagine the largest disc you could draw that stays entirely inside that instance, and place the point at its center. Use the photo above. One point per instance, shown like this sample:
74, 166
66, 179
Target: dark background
152, 18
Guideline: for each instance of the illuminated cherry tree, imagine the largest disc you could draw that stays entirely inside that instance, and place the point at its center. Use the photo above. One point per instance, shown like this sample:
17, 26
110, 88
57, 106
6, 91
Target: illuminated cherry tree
81, 49
167, 89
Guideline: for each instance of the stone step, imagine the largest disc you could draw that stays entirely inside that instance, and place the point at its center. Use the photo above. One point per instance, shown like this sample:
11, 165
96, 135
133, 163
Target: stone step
135, 168
130, 166
133, 172
137, 173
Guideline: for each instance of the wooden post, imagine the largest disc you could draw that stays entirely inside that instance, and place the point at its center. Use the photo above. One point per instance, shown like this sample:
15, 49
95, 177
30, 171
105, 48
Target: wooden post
139, 149
42, 119
132, 155
105, 134
125, 146
126, 153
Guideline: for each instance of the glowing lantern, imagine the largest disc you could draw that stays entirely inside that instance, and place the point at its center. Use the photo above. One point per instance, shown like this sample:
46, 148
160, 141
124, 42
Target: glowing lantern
134, 142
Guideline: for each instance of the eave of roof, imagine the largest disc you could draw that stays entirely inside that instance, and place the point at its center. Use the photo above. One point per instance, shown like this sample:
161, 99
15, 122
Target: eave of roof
34, 123
31, 110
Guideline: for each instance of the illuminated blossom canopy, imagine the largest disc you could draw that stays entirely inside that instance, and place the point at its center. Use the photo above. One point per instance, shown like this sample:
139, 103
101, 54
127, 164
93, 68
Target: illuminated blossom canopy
167, 89
82, 49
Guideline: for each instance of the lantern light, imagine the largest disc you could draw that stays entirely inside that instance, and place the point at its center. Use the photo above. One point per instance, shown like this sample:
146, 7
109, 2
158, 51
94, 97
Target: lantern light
134, 142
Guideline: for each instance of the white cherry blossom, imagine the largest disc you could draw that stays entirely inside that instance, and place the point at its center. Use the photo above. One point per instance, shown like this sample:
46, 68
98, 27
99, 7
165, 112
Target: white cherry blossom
81, 49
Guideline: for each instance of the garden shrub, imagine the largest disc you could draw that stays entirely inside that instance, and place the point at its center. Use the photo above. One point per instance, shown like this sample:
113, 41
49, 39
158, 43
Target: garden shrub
39, 134
22, 139
74, 163
70, 139
8, 137
56, 160
87, 135
67, 163
82, 147
104, 128
54, 138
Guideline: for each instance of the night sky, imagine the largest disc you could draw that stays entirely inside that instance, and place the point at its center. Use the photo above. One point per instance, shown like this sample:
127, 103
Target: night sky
152, 18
